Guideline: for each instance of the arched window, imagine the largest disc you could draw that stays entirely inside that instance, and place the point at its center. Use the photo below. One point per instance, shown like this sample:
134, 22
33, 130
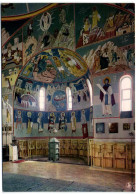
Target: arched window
90, 91
126, 96
42, 99
69, 98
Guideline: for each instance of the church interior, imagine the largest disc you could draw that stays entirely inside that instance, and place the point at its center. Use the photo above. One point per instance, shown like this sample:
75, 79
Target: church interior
68, 96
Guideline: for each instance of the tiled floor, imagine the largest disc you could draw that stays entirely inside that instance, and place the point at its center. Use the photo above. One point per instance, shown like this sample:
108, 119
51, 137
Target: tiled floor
66, 160
72, 177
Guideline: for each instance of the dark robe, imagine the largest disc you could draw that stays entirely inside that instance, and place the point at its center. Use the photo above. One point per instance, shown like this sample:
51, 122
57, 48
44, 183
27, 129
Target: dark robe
105, 87
104, 61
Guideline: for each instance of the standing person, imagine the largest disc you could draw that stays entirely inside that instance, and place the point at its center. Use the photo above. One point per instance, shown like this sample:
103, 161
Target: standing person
96, 65
79, 97
29, 123
51, 124
62, 122
95, 17
73, 122
39, 121
86, 27
18, 120
84, 125
107, 99
104, 59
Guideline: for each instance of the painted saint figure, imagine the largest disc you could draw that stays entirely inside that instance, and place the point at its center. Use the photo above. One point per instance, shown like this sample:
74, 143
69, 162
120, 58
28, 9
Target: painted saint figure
86, 27
73, 122
39, 121
84, 125
45, 21
114, 56
29, 123
51, 124
96, 65
95, 17
62, 122
107, 97
18, 120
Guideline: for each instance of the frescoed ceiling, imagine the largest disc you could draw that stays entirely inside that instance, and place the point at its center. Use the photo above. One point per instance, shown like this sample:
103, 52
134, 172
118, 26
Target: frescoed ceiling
55, 65
14, 9
128, 6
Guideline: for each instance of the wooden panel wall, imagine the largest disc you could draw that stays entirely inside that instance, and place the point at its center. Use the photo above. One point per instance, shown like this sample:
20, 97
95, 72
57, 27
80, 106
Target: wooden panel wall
68, 147
114, 155
111, 155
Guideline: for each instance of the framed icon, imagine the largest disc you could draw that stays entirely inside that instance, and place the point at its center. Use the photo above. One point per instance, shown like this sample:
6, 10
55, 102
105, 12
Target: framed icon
126, 126
100, 127
113, 127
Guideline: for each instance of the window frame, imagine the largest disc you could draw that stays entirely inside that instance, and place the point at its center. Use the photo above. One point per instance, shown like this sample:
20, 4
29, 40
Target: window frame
126, 113
69, 98
40, 98
88, 82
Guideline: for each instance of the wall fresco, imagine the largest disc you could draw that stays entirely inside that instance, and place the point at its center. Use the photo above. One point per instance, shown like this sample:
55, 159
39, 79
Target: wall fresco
96, 22
12, 52
128, 6
106, 99
55, 65
14, 9
103, 35
115, 55
27, 94
7, 110
54, 28
32, 124
9, 77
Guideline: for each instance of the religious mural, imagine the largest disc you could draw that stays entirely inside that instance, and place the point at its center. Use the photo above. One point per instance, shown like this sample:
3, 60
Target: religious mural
18, 117
110, 56
73, 122
27, 94
106, 97
7, 110
55, 65
9, 77
40, 122
128, 6
4, 36
14, 9
51, 124
84, 125
62, 122
80, 94
103, 37
99, 22
67, 123
106, 102
12, 52
54, 28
